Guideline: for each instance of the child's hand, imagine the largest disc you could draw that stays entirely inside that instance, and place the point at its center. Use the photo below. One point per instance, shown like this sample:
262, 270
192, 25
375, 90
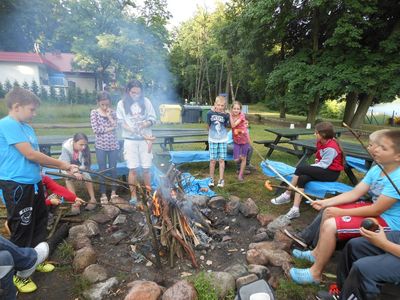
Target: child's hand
55, 201
376, 238
79, 201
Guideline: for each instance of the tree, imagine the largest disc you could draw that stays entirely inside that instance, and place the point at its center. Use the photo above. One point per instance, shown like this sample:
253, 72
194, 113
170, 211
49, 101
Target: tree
53, 94
15, 84
7, 86
2, 91
25, 85
35, 88
44, 95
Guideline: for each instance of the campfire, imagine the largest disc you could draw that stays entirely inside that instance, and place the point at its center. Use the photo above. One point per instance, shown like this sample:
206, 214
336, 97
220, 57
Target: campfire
174, 231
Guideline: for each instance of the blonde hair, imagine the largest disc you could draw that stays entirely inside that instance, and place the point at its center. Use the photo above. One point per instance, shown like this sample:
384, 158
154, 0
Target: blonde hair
236, 103
220, 99
376, 135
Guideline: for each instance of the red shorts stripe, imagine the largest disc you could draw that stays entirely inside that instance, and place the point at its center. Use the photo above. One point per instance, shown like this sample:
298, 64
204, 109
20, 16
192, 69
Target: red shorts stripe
349, 226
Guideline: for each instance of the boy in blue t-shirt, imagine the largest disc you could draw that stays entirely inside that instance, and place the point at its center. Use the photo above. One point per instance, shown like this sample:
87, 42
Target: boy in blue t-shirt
21, 187
342, 217
217, 121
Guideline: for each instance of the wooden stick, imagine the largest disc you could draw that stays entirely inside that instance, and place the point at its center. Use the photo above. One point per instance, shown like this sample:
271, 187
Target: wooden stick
297, 190
59, 214
366, 149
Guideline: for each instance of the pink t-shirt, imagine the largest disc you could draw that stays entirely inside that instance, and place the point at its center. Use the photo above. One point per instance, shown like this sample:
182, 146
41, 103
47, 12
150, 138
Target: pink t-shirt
240, 133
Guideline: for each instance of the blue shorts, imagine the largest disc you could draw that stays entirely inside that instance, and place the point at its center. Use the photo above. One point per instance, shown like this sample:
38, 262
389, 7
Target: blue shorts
217, 151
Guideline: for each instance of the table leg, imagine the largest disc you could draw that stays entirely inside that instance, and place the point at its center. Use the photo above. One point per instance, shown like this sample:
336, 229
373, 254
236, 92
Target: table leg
304, 158
349, 172
271, 149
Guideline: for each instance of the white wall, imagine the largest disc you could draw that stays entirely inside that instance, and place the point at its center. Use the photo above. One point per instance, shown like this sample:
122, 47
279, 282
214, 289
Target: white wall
83, 82
19, 72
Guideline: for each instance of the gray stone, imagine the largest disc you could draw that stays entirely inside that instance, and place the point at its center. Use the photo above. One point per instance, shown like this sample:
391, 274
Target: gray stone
200, 200
80, 241
83, 258
95, 273
217, 202
223, 282
119, 220
143, 290
78, 230
232, 207
111, 211
278, 257
283, 241
100, 218
237, 270
265, 219
249, 208
101, 289
256, 257
226, 238
92, 228
245, 280
118, 236
277, 224
182, 290
259, 237
262, 272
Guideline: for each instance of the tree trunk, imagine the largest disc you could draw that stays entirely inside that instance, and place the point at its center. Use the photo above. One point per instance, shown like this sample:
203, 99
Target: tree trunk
350, 108
228, 80
282, 109
362, 109
208, 82
220, 79
313, 106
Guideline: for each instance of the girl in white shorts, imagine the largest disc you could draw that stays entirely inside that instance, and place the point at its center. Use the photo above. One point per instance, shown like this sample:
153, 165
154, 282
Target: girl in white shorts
136, 115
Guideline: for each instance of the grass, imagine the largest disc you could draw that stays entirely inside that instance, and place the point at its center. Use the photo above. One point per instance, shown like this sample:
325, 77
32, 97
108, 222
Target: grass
204, 287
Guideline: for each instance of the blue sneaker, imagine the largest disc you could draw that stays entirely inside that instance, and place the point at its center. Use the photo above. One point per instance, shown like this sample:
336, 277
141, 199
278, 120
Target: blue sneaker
133, 201
307, 255
302, 276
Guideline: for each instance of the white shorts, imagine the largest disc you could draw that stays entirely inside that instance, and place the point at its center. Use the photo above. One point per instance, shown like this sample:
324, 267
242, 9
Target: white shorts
136, 155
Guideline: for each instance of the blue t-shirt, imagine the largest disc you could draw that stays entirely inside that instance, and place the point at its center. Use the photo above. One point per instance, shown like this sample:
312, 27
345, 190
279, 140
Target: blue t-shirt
217, 123
13, 165
379, 184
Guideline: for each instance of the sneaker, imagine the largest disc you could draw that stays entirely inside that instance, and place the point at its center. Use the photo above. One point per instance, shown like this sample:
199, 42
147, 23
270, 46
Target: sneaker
293, 213
282, 199
211, 183
24, 285
45, 267
299, 240
221, 183
240, 178
42, 250
302, 276
306, 255
75, 210
91, 205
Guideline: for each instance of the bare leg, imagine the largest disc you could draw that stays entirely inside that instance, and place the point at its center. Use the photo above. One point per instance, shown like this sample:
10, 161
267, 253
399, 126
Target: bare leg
294, 180
212, 167
147, 178
221, 168
297, 198
242, 166
325, 247
70, 185
132, 180
90, 189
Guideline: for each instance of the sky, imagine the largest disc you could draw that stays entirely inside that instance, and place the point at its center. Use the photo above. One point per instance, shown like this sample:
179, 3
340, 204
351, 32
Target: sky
183, 10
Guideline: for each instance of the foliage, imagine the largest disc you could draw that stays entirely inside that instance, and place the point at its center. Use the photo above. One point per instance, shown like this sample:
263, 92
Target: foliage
7, 86
25, 85
44, 95
15, 84
204, 287
65, 251
332, 109
34, 88
2, 91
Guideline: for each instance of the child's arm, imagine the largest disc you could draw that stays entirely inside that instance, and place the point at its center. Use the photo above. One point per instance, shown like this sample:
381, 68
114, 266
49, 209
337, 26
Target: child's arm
380, 240
376, 209
329, 154
44, 160
348, 197
58, 189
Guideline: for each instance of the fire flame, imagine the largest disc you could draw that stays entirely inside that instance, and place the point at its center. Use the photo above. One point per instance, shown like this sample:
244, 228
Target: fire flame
156, 205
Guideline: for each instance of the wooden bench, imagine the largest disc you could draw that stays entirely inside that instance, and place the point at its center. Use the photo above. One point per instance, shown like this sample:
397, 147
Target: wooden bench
267, 143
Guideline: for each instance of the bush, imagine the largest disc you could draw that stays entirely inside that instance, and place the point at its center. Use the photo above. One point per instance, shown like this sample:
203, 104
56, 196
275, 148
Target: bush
333, 109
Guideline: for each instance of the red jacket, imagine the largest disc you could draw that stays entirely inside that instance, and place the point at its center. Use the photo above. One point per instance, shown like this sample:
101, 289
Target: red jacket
337, 162
50, 184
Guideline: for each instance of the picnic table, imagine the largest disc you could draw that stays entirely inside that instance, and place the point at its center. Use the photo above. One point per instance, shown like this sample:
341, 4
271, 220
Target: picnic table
290, 135
351, 149
165, 137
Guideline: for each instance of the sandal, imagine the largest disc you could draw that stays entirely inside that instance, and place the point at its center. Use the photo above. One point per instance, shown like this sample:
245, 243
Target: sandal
91, 205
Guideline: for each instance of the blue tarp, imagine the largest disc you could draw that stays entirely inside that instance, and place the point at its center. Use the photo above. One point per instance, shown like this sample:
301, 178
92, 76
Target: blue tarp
180, 157
190, 184
357, 163
315, 188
